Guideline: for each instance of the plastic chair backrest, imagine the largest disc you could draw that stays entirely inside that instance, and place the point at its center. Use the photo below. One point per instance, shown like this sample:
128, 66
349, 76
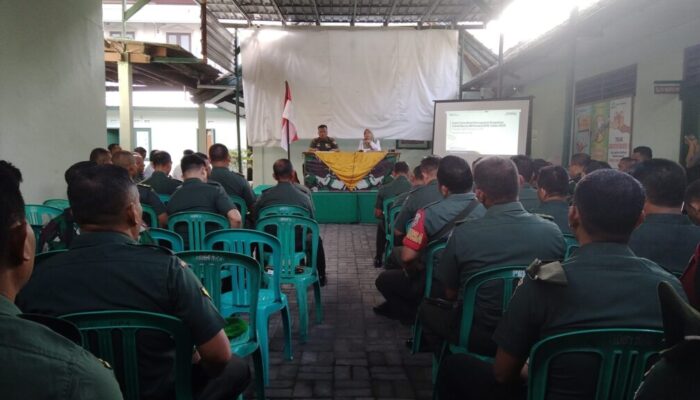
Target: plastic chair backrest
116, 333
39, 215
624, 357
262, 246
197, 225
245, 273
430, 254
149, 216
173, 240
241, 206
164, 198
571, 244
284, 209
57, 203
391, 217
261, 188
386, 204
507, 275
286, 229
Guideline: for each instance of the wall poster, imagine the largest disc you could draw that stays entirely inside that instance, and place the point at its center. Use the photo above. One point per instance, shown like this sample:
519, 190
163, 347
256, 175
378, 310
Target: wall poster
604, 129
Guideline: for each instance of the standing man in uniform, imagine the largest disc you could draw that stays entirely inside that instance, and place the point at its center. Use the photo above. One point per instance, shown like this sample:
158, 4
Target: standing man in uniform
527, 194
105, 269
126, 160
553, 192
160, 180
234, 184
37, 363
507, 235
666, 236
398, 185
323, 142
604, 286
196, 194
421, 196
403, 288
285, 192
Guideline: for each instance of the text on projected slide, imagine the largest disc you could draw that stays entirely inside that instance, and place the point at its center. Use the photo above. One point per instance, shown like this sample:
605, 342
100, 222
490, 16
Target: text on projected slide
483, 131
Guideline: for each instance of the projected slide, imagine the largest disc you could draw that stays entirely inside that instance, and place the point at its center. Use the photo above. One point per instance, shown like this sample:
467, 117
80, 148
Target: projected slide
483, 131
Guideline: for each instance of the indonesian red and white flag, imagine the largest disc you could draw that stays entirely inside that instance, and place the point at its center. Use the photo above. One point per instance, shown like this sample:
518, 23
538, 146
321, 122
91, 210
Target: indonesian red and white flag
288, 119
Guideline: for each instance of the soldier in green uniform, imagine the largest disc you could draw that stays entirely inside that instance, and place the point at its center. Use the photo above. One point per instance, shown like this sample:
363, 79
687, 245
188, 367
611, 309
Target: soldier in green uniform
604, 286
160, 180
400, 184
507, 235
576, 166
416, 182
420, 196
37, 363
666, 237
553, 192
105, 269
323, 142
527, 194
234, 184
147, 196
403, 288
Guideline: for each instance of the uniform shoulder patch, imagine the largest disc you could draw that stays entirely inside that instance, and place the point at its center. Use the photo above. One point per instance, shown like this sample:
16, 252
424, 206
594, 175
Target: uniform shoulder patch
550, 273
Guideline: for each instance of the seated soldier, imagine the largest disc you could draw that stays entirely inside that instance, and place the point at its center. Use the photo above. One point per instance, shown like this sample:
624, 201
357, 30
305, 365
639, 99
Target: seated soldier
419, 197
403, 288
527, 194
666, 237
160, 180
399, 184
147, 196
37, 362
234, 184
507, 235
553, 192
416, 180
604, 286
537, 165
100, 156
287, 193
692, 202
576, 166
196, 194
105, 270
626, 164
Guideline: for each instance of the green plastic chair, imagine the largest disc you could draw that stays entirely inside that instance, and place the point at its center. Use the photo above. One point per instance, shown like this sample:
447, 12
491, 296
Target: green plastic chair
386, 205
246, 274
149, 216
167, 239
57, 203
265, 248
430, 255
194, 226
284, 209
389, 219
285, 229
164, 198
39, 215
111, 336
571, 244
625, 355
261, 188
241, 206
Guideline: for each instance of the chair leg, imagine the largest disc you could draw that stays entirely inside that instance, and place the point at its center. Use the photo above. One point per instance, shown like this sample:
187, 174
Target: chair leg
259, 379
302, 301
287, 326
264, 346
317, 301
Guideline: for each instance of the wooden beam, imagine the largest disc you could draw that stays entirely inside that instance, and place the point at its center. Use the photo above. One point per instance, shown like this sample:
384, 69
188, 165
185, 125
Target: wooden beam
318, 16
391, 12
279, 12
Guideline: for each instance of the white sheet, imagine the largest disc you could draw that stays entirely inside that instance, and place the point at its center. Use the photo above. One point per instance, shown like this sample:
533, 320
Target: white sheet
349, 80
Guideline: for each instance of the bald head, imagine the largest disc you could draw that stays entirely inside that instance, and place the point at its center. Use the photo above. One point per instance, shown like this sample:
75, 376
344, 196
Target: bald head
497, 179
126, 160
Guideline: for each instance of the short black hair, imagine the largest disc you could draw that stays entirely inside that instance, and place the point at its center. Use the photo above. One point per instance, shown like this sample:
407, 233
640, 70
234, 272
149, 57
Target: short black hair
161, 158
142, 152
191, 162
554, 180
609, 203
283, 168
322, 126
645, 151
12, 220
112, 146
98, 195
76, 168
595, 165
123, 159
401, 168
524, 165
537, 165
187, 152
152, 153
97, 153
455, 174
6, 168
218, 152
498, 178
580, 159
417, 173
429, 164
202, 156
663, 180
692, 192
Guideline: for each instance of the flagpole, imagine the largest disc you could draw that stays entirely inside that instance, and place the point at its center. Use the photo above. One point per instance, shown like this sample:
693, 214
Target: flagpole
289, 157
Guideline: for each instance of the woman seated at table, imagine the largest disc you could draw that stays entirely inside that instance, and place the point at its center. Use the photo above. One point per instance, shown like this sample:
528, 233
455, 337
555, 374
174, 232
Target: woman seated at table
369, 143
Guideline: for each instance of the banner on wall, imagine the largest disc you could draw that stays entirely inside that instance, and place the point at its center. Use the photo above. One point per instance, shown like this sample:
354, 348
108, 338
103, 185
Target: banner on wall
604, 130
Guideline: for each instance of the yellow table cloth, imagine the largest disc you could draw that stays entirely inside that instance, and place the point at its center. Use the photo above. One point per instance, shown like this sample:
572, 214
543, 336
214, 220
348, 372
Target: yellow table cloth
351, 168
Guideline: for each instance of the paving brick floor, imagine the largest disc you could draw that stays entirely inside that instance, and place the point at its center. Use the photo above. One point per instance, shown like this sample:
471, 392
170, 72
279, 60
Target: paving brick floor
353, 354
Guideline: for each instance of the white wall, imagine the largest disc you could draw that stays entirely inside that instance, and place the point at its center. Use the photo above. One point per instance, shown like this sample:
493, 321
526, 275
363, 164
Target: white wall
51, 89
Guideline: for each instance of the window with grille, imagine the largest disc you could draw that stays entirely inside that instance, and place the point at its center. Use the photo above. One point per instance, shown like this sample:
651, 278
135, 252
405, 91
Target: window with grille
181, 39
618, 83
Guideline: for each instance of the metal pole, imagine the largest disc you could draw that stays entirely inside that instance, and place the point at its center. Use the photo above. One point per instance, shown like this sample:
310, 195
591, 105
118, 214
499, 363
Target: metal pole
289, 150
570, 92
123, 19
460, 37
500, 66
203, 28
238, 106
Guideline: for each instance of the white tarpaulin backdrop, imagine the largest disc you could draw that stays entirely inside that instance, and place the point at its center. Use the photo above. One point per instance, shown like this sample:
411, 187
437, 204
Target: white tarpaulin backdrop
349, 80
